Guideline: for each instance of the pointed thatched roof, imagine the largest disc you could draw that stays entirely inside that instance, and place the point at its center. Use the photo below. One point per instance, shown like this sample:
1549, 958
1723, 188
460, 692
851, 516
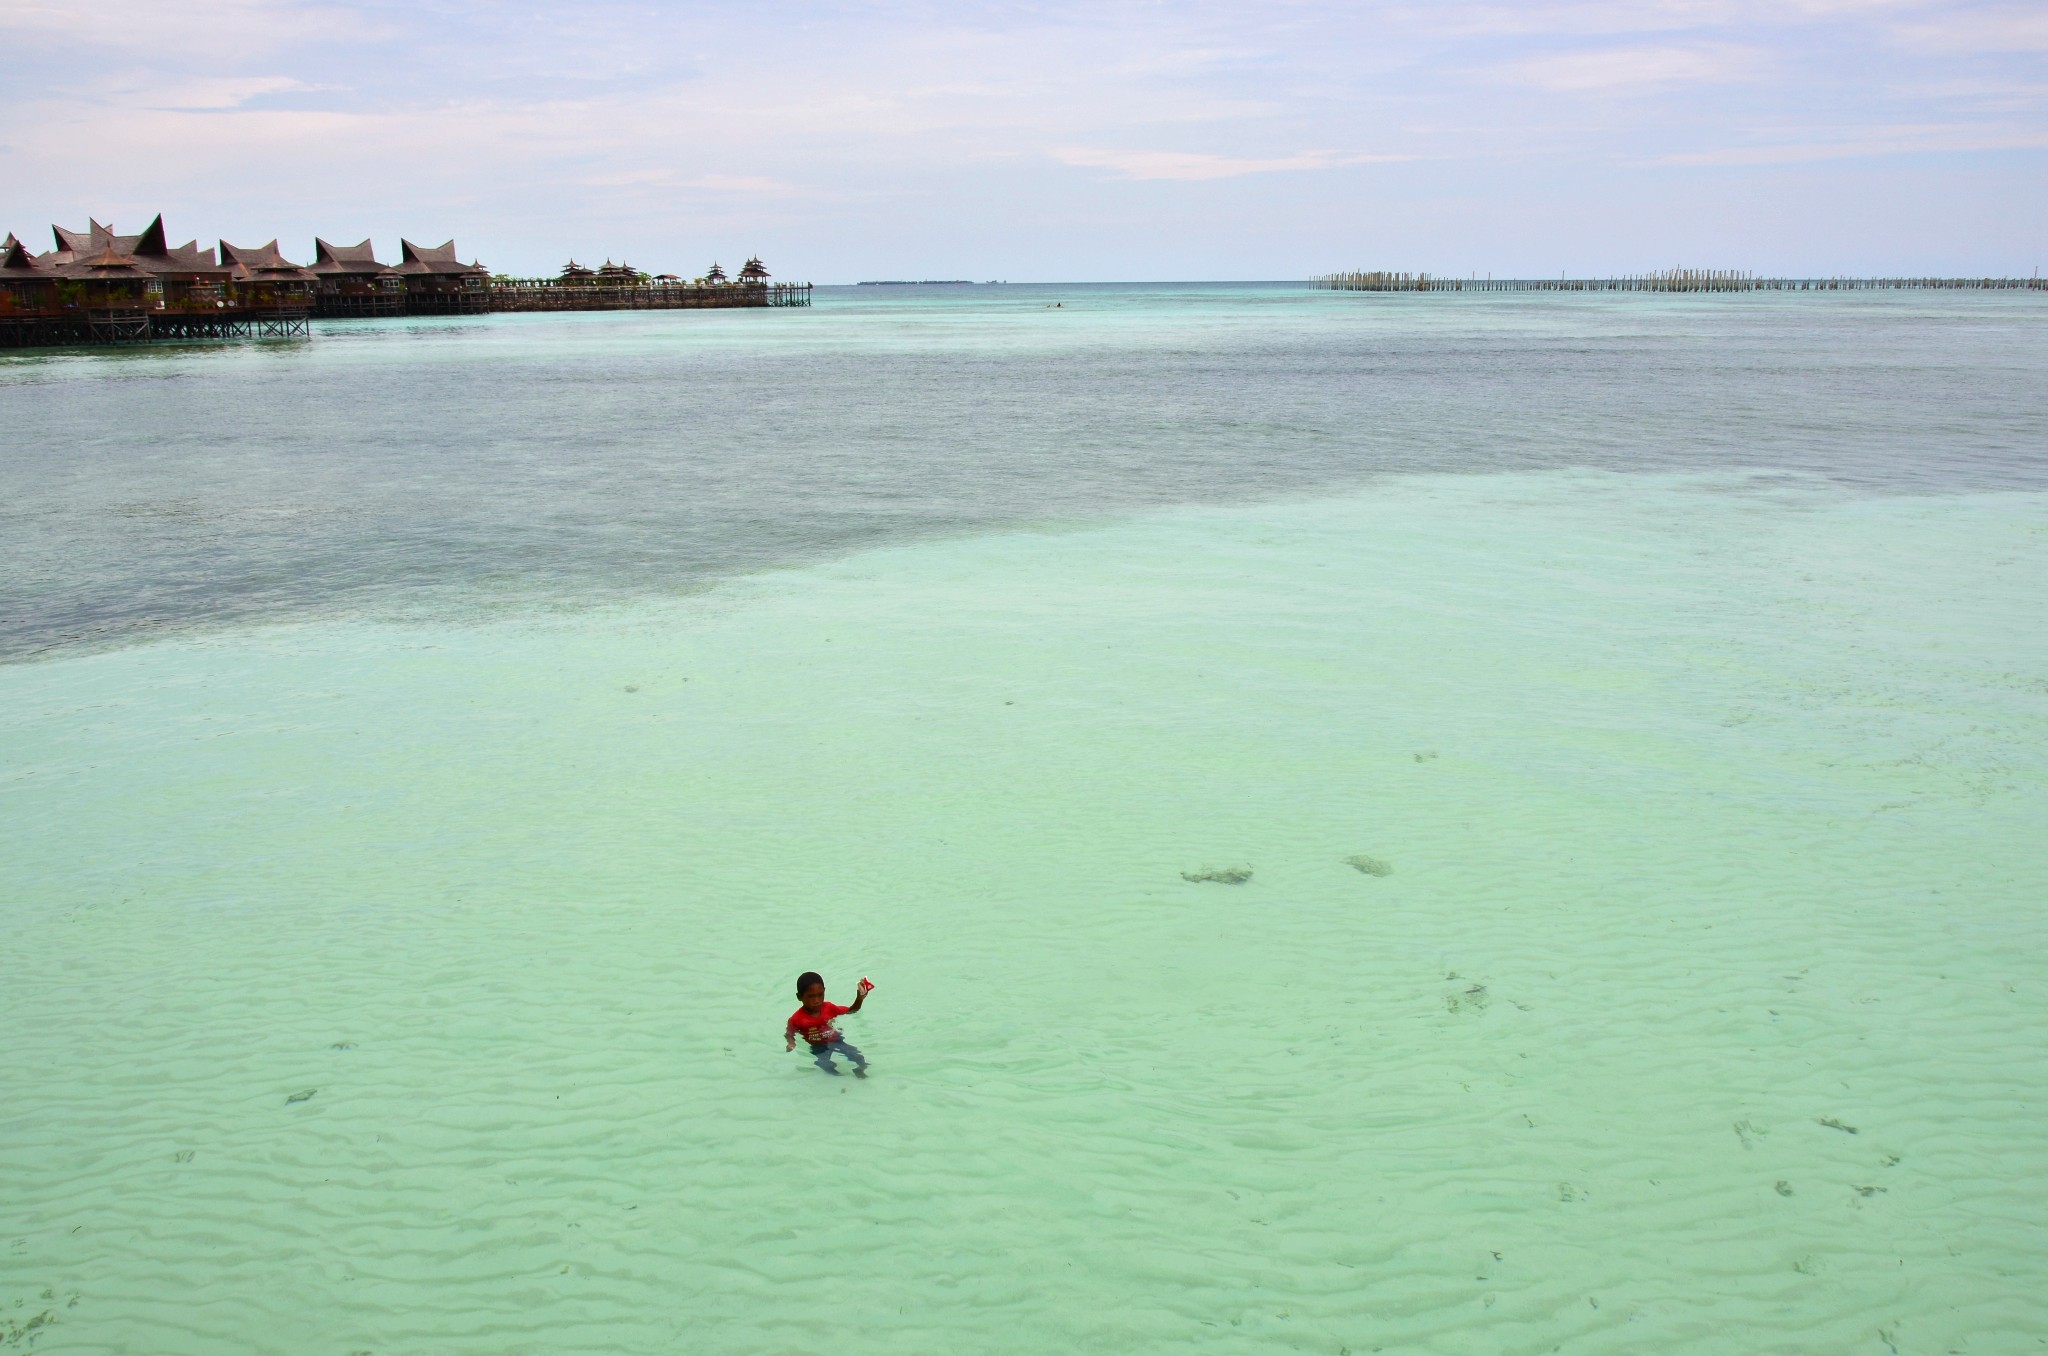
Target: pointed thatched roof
432, 261
262, 263
107, 265
71, 244
346, 260
150, 243
99, 253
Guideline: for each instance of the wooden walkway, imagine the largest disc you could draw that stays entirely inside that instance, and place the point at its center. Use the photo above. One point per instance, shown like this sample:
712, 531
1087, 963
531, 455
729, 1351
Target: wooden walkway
142, 326
1678, 280
540, 295
91, 329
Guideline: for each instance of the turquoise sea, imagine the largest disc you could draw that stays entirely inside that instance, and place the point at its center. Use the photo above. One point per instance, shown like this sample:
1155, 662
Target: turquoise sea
428, 755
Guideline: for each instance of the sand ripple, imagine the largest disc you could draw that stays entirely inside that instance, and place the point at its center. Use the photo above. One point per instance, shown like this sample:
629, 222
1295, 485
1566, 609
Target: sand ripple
1729, 834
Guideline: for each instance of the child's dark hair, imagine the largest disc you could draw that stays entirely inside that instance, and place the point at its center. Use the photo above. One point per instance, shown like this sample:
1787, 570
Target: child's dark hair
806, 980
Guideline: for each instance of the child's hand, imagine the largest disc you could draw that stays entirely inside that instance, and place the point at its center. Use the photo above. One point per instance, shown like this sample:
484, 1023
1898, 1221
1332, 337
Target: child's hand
788, 1043
866, 986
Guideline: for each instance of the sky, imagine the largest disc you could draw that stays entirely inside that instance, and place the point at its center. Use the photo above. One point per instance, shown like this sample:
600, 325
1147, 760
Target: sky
1175, 139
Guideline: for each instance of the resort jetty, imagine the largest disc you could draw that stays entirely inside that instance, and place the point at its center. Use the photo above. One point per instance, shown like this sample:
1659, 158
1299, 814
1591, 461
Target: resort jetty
621, 287
1671, 280
97, 287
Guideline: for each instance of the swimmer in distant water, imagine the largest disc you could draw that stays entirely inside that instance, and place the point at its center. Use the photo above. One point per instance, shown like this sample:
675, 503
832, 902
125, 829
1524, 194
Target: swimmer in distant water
814, 1021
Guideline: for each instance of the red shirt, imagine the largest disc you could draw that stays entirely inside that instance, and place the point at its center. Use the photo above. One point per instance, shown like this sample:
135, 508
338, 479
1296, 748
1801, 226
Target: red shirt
816, 1027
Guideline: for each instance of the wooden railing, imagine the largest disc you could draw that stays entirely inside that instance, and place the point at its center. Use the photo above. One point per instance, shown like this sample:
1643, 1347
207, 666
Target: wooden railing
538, 294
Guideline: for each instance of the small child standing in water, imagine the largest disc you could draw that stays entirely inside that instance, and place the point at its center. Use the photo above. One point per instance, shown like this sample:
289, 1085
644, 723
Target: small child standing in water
814, 1021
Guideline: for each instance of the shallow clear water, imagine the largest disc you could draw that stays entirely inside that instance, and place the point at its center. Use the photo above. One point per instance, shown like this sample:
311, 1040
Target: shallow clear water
1684, 662
434, 468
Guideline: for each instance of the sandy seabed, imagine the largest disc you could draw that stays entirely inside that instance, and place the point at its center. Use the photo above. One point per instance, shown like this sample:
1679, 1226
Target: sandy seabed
404, 988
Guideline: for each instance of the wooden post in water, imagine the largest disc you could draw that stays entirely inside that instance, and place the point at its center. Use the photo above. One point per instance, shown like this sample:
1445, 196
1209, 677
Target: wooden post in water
1676, 280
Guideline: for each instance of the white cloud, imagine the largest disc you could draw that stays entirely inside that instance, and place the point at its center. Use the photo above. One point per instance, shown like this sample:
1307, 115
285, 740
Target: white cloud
221, 93
1989, 31
1876, 141
1623, 18
1198, 165
1979, 95
750, 185
208, 31
1635, 70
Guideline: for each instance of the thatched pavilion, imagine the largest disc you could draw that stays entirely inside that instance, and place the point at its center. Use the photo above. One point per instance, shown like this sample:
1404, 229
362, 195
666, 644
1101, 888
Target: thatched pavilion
26, 291
438, 283
176, 278
351, 281
265, 280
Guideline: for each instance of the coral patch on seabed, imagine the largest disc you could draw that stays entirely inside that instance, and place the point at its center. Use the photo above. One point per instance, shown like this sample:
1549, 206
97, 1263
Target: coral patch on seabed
1371, 866
1473, 998
1223, 875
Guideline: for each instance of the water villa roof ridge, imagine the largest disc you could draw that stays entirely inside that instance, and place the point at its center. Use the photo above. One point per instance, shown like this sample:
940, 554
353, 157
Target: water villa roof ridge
76, 242
331, 258
262, 261
432, 259
151, 241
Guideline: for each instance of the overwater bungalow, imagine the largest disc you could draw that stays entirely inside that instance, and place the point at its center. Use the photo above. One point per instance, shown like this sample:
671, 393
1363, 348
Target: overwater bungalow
351, 282
26, 291
97, 286
177, 279
106, 291
264, 280
438, 283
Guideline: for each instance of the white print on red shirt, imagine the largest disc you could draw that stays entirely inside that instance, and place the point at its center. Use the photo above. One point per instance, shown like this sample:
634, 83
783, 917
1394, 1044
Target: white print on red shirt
816, 1027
